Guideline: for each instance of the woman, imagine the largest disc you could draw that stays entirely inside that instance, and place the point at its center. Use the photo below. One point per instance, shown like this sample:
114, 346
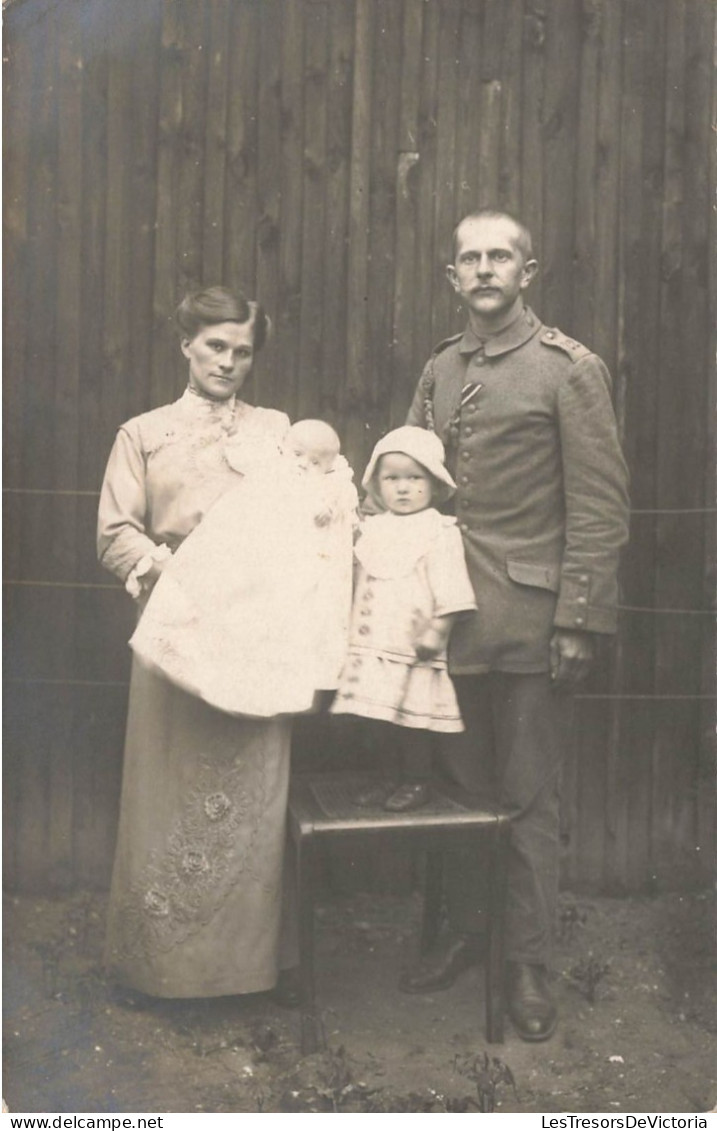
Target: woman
197, 907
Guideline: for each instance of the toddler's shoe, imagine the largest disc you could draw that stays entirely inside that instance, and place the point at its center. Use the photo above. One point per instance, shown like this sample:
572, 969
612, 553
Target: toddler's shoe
409, 795
373, 794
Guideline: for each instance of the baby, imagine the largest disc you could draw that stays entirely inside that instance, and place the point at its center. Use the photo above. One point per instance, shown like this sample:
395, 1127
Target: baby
315, 447
251, 613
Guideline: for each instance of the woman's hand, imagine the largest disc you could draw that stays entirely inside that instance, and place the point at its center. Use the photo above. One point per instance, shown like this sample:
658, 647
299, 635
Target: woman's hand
153, 574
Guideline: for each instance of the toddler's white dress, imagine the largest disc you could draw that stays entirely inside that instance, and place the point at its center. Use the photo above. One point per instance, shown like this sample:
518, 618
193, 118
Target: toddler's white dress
251, 613
411, 569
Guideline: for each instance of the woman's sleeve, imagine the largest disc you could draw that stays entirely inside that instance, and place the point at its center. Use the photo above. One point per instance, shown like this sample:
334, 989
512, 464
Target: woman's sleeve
448, 575
121, 535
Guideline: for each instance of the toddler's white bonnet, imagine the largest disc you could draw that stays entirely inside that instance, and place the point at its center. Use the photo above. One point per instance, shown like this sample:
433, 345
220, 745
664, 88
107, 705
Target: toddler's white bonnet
423, 446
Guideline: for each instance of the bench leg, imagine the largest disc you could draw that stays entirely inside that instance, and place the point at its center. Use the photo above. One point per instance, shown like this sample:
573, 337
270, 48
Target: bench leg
312, 1037
495, 961
432, 897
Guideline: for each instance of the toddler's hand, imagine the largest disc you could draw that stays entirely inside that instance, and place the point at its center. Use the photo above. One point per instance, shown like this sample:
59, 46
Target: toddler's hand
430, 643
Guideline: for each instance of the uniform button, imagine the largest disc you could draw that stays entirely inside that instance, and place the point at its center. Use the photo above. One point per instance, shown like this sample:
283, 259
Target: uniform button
471, 408
578, 620
584, 578
465, 504
365, 612
368, 595
466, 455
464, 526
465, 479
582, 601
364, 629
357, 661
468, 431
480, 359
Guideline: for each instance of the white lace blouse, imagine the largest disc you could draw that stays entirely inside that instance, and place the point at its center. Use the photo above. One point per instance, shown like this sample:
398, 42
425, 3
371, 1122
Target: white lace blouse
168, 466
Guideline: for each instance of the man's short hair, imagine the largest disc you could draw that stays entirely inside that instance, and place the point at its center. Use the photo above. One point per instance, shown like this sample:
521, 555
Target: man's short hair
524, 238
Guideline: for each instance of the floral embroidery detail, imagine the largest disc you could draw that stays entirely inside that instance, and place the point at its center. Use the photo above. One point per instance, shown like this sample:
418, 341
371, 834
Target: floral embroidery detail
156, 902
194, 862
216, 806
210, 848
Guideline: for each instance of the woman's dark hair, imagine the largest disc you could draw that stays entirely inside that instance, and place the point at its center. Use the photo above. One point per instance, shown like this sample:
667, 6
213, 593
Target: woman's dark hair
213, 305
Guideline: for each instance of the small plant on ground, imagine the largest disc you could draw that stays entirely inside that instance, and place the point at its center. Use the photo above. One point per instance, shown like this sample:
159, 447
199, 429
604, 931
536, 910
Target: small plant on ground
587, 974
489, 1074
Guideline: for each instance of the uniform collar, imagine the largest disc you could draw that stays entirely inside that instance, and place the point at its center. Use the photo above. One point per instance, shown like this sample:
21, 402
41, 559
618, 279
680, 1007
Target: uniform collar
520, 330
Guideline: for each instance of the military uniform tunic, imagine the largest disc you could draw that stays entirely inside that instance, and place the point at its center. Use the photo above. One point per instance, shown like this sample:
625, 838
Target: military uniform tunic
542, 496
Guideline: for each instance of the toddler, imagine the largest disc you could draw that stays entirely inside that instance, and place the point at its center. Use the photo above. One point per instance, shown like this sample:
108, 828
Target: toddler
412, 585
251, 613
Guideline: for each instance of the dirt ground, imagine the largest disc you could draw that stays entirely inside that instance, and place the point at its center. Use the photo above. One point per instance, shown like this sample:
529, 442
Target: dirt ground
634, 980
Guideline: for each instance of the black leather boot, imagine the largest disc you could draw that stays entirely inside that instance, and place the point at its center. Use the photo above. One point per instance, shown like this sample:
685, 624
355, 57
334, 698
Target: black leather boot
530, 1002
439, 970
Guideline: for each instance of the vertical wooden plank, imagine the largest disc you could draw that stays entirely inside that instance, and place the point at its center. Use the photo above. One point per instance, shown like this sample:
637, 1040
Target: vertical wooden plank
357, 378
95, 431
705, 782
190, 204
171, 116
682, 428
532, 180
561, 89
382, 237
338, 151
41, 355
287, 313
35, 765
63, 528
509, 183
267, 383
215, 153
629, 742
118, 244
316, 27
670, 416
240, 193
586, 173
444, 184
146, 20
495, 13
632, 848
469, 124
408, 235
17, 107
431, 254
603, 336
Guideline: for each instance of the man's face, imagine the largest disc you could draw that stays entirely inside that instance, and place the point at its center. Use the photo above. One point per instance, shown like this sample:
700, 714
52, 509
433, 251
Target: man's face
220, 358
491, 269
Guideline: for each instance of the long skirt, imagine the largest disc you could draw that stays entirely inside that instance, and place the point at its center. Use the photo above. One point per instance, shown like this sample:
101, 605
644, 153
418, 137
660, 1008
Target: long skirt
198, 903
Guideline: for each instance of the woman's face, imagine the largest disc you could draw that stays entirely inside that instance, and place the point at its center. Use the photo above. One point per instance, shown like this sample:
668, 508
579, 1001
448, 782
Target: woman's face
220, 358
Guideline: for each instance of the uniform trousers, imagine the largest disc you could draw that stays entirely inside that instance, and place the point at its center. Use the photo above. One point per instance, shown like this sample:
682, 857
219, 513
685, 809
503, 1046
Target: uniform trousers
516, 734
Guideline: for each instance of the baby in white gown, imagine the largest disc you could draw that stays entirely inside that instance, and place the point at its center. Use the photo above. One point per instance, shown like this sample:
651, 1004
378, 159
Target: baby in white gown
252, 612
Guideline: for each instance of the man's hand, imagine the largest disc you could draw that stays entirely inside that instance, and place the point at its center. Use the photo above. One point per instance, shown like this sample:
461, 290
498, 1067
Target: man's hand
571, 657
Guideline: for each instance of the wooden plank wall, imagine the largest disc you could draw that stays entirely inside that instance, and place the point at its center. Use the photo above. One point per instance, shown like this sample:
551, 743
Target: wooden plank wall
318, 153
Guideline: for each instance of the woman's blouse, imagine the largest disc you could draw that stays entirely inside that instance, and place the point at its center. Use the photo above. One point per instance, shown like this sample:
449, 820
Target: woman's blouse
168, 466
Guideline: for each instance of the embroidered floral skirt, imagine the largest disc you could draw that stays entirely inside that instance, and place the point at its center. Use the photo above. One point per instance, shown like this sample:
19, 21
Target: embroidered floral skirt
197, 905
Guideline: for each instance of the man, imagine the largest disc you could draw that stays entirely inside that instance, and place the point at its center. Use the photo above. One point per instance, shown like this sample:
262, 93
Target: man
526, 416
